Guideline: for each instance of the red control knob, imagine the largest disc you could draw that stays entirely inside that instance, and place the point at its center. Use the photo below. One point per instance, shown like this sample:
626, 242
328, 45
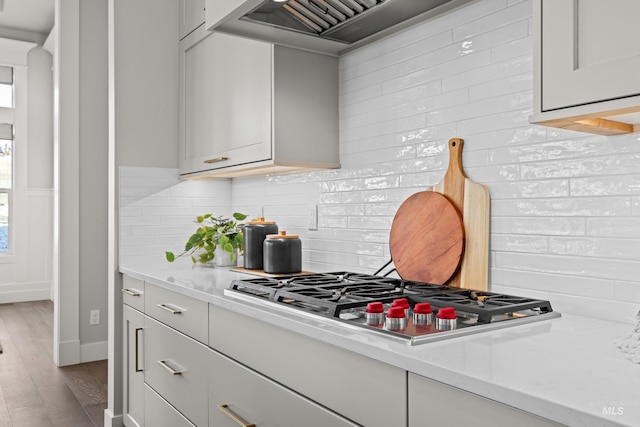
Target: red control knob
446, 313
422, 308
396, 313
375, 307
400, 302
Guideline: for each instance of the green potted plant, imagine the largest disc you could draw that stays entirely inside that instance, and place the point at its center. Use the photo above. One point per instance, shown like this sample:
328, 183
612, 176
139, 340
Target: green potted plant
220, 233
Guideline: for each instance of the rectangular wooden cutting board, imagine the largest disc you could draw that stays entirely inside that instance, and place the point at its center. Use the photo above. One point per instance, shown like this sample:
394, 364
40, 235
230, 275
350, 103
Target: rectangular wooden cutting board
473, 202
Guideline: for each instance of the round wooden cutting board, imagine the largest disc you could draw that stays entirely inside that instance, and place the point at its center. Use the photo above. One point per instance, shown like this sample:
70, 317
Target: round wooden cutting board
427, 238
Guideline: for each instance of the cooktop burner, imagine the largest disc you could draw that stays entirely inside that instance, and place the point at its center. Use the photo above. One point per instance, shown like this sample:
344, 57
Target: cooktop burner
430, 312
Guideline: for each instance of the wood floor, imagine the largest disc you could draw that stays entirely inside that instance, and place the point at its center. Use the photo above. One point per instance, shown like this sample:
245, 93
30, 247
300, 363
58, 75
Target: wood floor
33, 391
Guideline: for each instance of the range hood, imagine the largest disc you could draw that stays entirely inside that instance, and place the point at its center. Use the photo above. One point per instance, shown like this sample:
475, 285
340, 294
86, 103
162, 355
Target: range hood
329, 26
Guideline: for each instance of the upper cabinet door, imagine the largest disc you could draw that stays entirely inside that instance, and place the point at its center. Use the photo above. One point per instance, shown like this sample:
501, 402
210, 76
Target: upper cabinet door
191, 15
226, 102
590, 51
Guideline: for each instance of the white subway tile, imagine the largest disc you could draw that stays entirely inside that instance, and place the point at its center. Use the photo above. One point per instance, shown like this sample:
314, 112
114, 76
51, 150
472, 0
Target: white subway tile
494, 122
441, 70
480, 108
496, 19
628, 291
533, 189
560, 206
513, 48
488, 72
545, 226
602, 268
614, 227
596, 247
493, 38
519, 243
508, 85
545, 282
606, 185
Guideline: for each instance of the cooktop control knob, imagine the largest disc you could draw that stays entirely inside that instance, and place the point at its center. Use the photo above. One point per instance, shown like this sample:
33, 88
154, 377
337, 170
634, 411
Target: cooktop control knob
374, 314
396, 319
446, 319
402, 302
422, 314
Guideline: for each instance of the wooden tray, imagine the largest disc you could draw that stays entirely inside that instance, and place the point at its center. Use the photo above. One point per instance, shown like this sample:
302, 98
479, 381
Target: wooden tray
263, 274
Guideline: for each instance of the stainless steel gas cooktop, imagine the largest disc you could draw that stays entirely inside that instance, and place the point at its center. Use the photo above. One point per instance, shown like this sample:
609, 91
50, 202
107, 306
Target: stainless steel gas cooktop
406, 311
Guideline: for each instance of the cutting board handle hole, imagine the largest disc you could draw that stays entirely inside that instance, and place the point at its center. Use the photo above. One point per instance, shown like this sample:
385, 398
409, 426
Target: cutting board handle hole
453, 143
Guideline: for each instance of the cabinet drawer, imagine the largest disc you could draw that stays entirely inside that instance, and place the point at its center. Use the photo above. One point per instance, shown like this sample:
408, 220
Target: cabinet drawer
333, 377
183, 313
440, 404
160, 414
238, 391
176, 368
133, 292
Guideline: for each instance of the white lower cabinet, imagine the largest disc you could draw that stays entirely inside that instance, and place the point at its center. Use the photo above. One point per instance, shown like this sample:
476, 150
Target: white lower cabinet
361, 389
240, 396
176, 367
434, 403
160, 413
256, 374
133, 371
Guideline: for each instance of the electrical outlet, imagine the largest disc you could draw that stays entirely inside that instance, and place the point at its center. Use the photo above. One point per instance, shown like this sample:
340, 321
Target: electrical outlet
312, 217
94, 317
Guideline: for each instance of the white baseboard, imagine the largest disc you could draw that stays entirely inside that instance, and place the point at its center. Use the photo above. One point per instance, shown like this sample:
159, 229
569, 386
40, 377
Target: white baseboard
111, 420
68, 353
21, 292
93, 351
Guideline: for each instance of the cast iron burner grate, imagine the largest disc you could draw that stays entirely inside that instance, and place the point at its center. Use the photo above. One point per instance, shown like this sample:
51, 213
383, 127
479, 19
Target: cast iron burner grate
333, 294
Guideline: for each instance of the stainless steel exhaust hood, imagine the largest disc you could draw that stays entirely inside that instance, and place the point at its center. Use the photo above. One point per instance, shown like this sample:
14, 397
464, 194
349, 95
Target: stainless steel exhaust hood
329, 26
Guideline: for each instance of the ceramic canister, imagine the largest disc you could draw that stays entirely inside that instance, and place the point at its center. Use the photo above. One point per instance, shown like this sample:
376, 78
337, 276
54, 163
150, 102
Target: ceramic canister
254, 234
282, 253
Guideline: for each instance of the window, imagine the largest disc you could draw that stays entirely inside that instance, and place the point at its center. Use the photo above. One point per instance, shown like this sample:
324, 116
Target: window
6, 156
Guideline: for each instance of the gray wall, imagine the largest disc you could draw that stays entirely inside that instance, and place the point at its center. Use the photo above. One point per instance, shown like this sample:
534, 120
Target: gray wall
93, 168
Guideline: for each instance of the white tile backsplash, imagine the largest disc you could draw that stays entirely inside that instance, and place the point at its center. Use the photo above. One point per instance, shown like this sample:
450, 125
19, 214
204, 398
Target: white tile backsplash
158, 211
565, 210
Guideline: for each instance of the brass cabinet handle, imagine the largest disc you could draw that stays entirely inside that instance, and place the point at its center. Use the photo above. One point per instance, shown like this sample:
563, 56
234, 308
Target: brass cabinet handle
224, 408
168, 368
175, 310
137, 352
216, 160
132, 292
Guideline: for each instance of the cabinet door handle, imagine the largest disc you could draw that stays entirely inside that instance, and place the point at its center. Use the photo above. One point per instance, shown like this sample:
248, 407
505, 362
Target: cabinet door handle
216, 160
163, 363
175, 310
138, 369
224, 408
132, 292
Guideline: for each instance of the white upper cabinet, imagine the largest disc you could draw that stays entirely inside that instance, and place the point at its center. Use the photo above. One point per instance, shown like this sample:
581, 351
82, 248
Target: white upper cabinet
587, 63
191, 16
249, 107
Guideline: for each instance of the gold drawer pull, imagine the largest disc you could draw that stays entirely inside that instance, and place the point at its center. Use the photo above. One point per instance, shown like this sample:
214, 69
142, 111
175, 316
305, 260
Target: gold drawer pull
216, 160
132, 292
163, 363
175, 310
225, 410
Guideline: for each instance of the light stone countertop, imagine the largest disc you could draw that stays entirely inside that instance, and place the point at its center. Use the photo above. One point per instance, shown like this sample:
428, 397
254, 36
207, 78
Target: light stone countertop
566, 369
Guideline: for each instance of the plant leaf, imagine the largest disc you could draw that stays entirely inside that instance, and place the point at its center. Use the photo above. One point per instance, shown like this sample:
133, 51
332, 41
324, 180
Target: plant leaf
239, 216
170, 256
193, 259
223, 240
195, 239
